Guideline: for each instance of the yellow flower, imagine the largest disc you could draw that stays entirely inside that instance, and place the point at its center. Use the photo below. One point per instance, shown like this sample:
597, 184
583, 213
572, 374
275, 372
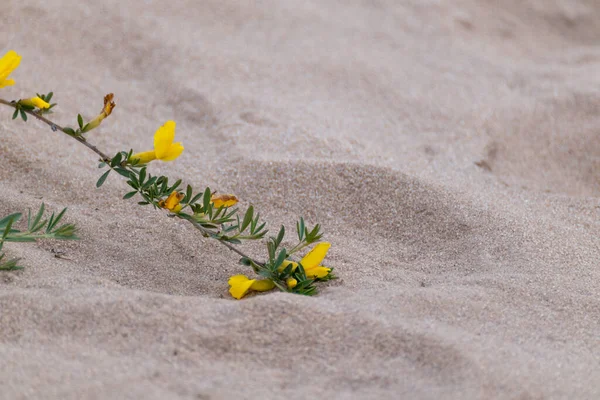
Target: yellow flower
240, 285
8, 64
291, 283
164, 148
225, 200
35, 102
172, 202
312, 262
109, 104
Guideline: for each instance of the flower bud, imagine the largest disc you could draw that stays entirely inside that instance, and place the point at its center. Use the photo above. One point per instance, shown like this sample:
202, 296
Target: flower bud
106, 111
35, 102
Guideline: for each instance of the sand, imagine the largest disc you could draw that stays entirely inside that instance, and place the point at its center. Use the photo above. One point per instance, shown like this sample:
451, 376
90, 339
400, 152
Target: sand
449, 149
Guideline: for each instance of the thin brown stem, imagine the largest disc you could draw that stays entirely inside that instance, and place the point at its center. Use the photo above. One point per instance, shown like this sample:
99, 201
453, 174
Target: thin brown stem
55, 127
229, 246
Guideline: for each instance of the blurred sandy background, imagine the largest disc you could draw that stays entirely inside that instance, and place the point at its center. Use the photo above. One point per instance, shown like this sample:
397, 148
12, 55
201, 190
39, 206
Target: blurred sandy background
449, 148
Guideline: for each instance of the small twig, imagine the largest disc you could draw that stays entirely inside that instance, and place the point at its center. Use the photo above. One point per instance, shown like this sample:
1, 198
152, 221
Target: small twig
54, 126
229, 246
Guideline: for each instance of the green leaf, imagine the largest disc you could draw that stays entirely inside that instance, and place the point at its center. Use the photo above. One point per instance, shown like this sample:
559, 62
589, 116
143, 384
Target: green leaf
23, 115
175, 186
188, 194
280, 258
116, 160
4, 221
129, 195
206, 198
123, 172
300, 228
245, 261
7, 229
247, 218
102, 178
142, 175
49, 97
149, 182
280, 236
69, 131
54, 221
80, 121
195, 199
134, 185
16, 113
271, 249
35, 224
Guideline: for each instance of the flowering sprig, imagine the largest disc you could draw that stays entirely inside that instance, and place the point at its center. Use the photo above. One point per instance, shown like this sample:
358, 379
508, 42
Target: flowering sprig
214, 215
37, 228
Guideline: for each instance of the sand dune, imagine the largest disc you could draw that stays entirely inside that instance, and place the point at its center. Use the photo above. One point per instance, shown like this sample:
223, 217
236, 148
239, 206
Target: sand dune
450, 150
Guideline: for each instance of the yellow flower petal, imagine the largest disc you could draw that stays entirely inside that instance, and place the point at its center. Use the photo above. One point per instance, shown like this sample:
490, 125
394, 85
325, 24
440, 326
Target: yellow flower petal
7, 82
240, 288
144, 157
262, 285
225, 200
172, 152
317, 272
39, 103
237, 279
285, 263
8, 64
163, 139
315, 256
172, 201
291, 283
109, 104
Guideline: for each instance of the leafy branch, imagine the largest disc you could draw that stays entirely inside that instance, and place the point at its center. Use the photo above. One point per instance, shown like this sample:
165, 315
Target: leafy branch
37, 228
214, 217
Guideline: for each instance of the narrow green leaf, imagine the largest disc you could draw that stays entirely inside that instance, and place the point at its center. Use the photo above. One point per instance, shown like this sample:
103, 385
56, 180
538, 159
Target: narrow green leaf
123, 172
102, 178
280, 258
149, 182
271, 249
9, 218
247, 218
188, 194
116, 160
206, 198
16, 113
195, 199
129, 195
280, 236
34, 226
54, 221
80, 121
300, 228
7, 228
70, 131
142, 175
24, 115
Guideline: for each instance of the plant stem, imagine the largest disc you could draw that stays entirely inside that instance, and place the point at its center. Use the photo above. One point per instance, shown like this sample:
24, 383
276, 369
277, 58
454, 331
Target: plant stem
105, 158
297, 247
55, 127
229, 246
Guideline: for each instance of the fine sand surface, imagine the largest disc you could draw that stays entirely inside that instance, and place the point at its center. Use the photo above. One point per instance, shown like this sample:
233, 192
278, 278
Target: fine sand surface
450, 149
